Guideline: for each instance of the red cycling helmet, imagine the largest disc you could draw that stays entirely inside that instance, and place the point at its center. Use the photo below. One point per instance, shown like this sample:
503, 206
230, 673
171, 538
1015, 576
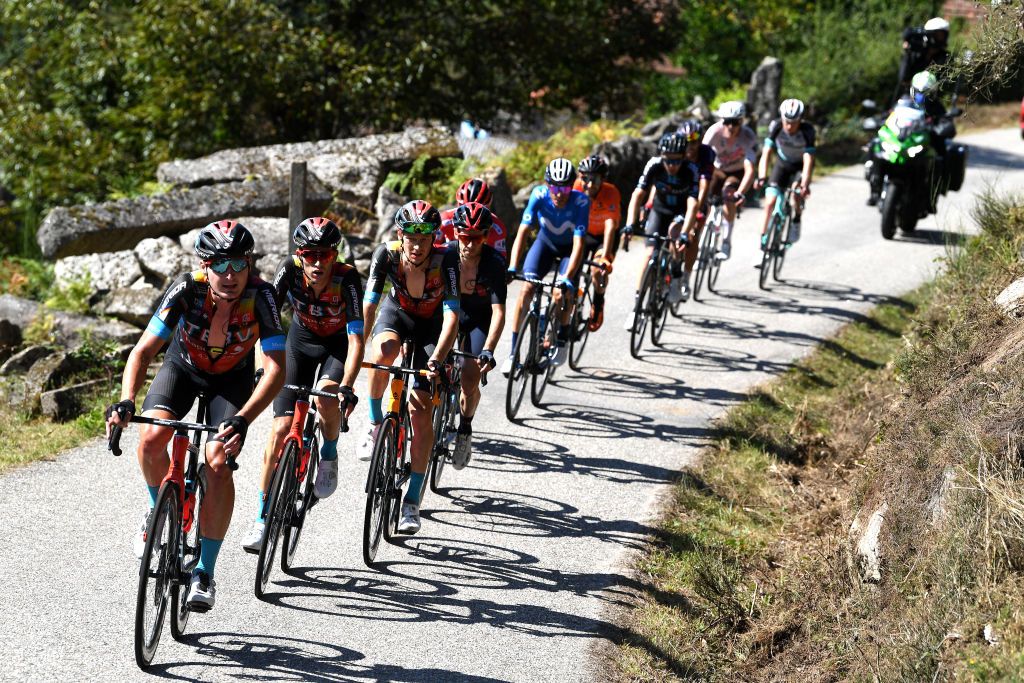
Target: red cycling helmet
473, 219
474, 190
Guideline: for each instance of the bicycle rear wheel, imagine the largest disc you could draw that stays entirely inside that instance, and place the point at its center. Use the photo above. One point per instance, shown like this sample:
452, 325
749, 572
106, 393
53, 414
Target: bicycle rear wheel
580, 331
279, 498
768, 253
704, 258
522, 365
378, 488
659, 308
300, 501
781, 247
715, 266
548, 343
189, 554
443, 420
158, 573
641, 312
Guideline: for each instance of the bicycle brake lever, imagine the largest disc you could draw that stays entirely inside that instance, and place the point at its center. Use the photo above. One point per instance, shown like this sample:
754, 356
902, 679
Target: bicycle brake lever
114, 442
232, 463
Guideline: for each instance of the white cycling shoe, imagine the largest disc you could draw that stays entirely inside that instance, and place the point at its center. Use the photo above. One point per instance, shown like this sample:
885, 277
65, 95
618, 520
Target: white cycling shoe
326, 479
365, 450
724, 250
463, 450
139, 540
561, 354
506, 366
410, 521
202, 592
630, 320
254, 539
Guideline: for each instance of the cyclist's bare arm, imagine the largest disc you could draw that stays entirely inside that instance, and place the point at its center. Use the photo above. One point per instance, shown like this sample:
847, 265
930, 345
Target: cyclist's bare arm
702, 191
354, 359
762, 166
496, 328
610, 231
135, 368
449, 331
807, 171
268, 388
369, 316
748, 177
635, 202
576, 258
515, 257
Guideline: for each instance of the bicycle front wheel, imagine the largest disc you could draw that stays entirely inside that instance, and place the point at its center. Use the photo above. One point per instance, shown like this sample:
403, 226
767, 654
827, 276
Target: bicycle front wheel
279, 498
547, 344
378, 488
158, 574
781, 247
715, 264
189, 554
522, 365
768, 252
704, 259
300, 501
659, 307
444, 421
580, 331
641, 312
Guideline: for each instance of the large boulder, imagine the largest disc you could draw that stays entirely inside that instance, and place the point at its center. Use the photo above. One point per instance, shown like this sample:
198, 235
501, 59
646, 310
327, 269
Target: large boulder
351, 165
765, 90
67, 403
626, 160
388, 203
51, 371
10, 334
124, 223
163, 258
23, 360
68, 329
502, 204
134, 305
653, 130
104, 271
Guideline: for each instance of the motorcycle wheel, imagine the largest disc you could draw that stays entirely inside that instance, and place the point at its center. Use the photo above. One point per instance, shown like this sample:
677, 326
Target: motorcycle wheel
890, 208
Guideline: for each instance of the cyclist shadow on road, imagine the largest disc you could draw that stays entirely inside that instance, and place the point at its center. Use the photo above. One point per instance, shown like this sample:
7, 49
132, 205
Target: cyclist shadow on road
634, 385
596, 422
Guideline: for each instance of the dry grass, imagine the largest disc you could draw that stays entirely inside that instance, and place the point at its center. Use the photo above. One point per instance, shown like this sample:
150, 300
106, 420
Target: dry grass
920, 407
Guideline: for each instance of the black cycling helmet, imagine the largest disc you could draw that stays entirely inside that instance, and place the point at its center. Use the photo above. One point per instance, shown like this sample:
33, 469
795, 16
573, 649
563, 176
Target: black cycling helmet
672, 143
317, 233
224, 239
560, 172
594, 164
474, 190
691, 130
416, 216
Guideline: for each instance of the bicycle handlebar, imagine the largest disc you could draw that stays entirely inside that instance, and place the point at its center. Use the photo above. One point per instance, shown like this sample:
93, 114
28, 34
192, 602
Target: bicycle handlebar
306, 391
393, 369
466, 354
114, 441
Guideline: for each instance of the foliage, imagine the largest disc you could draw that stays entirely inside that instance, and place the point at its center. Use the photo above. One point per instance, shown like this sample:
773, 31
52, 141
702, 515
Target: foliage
40, 329
435, 180
25, 277
72, 297
997, 47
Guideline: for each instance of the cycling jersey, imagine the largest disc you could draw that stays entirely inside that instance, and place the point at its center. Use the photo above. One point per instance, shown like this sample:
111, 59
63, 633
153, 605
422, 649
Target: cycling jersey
790, 148
339, 306
187, 311
730, 153
495, 238
386, 264
706, 157
487, 289
607, 204
671, 190
557, 226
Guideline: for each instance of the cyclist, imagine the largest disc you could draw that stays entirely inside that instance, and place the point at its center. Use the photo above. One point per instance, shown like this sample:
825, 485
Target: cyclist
605, 214
326, 332
735, 146
792, 139
212, 318
423, 305
562, 214
481, 311
475, 190
675, 182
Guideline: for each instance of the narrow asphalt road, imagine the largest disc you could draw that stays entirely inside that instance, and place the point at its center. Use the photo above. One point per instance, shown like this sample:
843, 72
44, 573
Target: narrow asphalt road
520, 564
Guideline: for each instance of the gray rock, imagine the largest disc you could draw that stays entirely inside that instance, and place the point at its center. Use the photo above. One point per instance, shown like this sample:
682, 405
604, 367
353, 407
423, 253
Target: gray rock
626, 160
10, 334
104, 271
350, 165
765, 90
51, 371
1011, 299
69, 329
653, 131
522, 197
357, 248
23, 360
270, 234
67, 403
122, 224
864, 534
267, 265
699, 110
503, 205
163, 258
388, 204
134, 305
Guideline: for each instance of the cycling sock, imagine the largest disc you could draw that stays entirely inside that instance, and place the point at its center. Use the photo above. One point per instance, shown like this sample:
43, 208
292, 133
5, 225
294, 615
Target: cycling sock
208, 550
376, 412
329, 450
259, 507
153, 492
415, 491
466, 425
726, 229
515, 336
599, 300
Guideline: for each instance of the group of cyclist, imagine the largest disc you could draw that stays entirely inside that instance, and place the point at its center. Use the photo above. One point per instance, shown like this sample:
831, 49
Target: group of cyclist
448, 275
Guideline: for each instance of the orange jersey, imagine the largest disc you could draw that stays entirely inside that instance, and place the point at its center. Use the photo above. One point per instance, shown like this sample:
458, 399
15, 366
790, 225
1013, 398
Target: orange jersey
607, 204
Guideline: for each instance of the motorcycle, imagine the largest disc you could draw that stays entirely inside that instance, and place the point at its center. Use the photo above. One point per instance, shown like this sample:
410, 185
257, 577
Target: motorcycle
903, 165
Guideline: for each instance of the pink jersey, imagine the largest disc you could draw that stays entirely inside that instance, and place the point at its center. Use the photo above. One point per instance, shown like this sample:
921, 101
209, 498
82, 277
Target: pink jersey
731, 152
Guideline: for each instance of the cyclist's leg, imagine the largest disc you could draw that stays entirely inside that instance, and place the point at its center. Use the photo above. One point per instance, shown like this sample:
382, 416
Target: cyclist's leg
569, 296
536, 265
772, 193
170, 396
797, 207
729, 187
329, 379
421, 407
477, 322
657, 225
385, 344
301, 359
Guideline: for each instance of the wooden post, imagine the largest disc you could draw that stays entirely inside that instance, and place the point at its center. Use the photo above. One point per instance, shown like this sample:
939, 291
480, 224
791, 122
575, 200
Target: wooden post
296, 200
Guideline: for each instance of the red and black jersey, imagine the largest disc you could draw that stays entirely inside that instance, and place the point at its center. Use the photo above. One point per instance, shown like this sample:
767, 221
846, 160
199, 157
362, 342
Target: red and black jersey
495, 237
330, 313
438, 287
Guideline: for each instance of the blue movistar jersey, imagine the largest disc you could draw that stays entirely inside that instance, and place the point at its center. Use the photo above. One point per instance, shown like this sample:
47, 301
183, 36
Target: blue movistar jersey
557, 226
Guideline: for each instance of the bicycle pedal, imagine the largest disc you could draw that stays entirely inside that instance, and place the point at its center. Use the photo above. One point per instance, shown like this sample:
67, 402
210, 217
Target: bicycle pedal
198, 609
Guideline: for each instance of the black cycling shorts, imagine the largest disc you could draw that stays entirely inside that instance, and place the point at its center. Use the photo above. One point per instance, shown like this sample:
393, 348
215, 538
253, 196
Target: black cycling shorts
474, 324
423, 331
657, 225
784, 174
305, 351
176, 387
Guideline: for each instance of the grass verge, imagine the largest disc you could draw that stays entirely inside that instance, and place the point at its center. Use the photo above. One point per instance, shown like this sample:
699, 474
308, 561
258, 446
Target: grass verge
916, 407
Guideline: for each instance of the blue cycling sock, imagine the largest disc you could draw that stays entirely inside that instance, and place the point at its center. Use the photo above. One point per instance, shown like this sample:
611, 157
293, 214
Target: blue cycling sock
329, 450
376, 412
515, 336
259, 506
415, 491
153, 492
208, 550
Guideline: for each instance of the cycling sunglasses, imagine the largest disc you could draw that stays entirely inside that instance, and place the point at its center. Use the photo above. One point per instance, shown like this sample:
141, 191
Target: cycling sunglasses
590, 177
731, 122
469, 237
671, 161
559, 191
221, 266
419, 228
314, 255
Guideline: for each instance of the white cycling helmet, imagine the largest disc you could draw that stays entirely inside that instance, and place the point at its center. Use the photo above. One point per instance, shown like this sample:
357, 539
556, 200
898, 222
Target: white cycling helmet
791, 109
733, 109
560, 172
936, 24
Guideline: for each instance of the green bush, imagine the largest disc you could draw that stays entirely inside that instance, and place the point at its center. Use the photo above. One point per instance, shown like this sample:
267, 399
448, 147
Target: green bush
73, 297
435, 180
25, 277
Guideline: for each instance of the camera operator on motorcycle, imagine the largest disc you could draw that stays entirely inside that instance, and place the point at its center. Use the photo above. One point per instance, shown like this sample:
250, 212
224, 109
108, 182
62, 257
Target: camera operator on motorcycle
923, 48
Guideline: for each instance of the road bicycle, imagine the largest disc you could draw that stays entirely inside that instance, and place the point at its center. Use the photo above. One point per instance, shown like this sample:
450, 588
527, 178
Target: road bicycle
290, 496
536, 345
391, 462
652, 307
446, 410
172, 534
583, 311
776, 244
708, 263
